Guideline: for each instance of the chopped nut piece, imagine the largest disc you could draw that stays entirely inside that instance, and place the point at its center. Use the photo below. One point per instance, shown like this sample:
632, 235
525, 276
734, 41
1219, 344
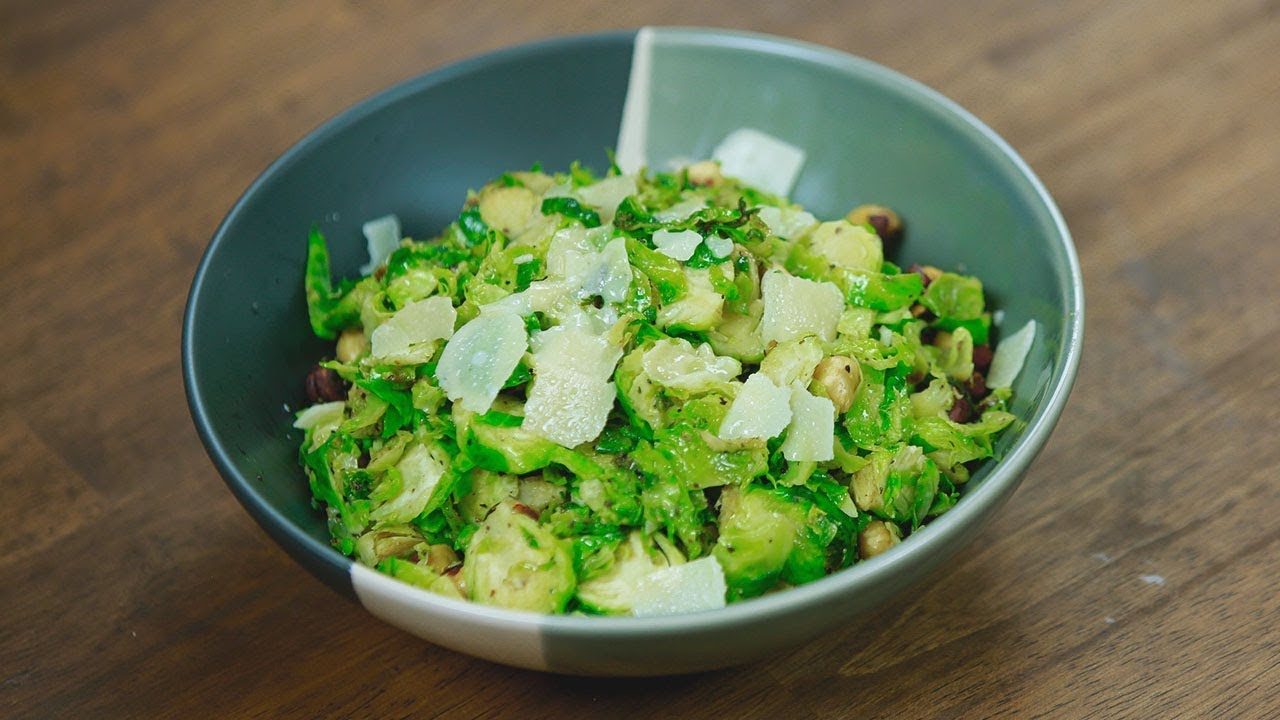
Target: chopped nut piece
441, 557
886, 222
324, 385
961, 411
928, 273
351, 344
977, 385
982, 357
839, 376
706, 172
877, 537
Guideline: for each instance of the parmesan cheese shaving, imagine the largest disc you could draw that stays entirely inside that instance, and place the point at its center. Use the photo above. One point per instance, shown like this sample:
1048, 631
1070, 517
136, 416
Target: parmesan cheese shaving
678, 245
570, 397
691, 587
760, 159
479, 358
383, 237
811, 435
795, 307
1010, 355
761, 410
787, 223
409, 336
677, 364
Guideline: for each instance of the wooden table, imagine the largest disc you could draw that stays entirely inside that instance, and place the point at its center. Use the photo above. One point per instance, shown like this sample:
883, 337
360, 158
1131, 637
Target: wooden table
1135, 574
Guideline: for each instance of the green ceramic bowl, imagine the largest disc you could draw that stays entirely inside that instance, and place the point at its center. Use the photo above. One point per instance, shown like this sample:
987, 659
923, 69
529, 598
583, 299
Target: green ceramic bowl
870, 135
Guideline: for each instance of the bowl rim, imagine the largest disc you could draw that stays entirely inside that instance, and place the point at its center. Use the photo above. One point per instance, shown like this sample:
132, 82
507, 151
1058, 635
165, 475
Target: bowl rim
1003, 478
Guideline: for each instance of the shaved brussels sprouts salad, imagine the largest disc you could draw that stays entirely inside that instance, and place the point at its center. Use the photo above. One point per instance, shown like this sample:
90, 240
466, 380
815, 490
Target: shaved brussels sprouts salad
642, 394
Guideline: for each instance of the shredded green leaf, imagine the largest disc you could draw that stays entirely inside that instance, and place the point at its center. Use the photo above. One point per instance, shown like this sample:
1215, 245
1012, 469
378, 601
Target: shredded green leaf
615, 438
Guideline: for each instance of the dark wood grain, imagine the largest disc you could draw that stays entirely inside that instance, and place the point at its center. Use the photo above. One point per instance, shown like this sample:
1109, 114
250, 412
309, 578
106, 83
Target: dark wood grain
1135, 574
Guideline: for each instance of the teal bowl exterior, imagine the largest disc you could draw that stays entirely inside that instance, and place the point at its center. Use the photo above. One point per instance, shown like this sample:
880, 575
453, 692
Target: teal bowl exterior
870, 134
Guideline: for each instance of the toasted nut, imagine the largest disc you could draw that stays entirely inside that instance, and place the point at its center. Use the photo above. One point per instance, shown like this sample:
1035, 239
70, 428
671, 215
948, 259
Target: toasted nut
396, 541
706, 172
324, 385
886, 222
441, 557
840, 377
877, 537
928, 273
977, 385
982, 357
868, 488
351, 344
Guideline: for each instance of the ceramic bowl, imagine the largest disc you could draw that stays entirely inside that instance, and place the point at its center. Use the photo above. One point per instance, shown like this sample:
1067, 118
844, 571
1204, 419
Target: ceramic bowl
870, 135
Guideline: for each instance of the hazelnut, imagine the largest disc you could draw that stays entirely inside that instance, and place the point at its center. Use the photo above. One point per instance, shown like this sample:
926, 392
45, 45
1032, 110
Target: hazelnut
706, 172
324, 385
441, 557
868, 488
876, 538
839, 376
977, 385
928, 273
351, 344
378, 545
886, 222
982, 357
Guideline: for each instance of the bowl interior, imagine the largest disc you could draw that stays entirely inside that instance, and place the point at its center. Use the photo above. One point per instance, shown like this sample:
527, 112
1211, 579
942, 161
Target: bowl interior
870, 136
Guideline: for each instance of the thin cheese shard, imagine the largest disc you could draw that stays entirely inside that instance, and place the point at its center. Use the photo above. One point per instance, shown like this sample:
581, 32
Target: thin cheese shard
609, 275
1010, 354
760, 159
675, 363
607, 194
383, 237
812, 434
409, 336
576, 270
719, 245
321, 420
788, 223
761, 410
795, 307
479, 358
691, 587
677, 245
570, 397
